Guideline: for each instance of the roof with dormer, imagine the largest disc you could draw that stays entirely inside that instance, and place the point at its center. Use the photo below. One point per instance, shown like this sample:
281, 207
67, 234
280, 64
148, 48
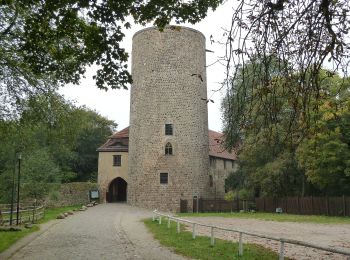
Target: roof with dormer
119, 142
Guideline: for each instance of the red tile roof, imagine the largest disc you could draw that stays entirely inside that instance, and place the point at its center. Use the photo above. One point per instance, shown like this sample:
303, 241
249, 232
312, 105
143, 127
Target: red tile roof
216, 148
121, 134
120, 141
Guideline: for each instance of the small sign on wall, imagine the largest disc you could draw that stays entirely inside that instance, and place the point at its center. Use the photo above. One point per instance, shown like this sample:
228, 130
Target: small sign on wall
94, 194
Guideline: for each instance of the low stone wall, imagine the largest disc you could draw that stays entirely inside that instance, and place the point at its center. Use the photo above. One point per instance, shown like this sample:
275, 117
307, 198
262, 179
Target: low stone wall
68, 194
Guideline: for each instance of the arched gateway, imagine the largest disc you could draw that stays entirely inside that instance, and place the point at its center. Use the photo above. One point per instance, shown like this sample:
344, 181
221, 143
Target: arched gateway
117, 190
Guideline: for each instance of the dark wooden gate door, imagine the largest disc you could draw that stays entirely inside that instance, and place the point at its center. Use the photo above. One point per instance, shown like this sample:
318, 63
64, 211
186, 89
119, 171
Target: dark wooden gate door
183, 206
117, 190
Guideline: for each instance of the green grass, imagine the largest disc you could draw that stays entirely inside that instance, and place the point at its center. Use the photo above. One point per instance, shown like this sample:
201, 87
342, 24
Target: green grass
275, 217
200, 248
51, 213
8, 238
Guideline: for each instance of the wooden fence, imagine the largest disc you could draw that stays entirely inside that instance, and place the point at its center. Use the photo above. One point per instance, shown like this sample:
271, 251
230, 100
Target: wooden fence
330, 206
27, 213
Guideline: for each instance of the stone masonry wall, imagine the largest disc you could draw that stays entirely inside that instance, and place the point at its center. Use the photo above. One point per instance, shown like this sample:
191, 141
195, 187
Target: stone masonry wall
169, 87
220, 169
68, 194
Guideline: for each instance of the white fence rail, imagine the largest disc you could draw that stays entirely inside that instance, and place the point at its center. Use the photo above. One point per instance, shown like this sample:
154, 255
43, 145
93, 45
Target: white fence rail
282, 241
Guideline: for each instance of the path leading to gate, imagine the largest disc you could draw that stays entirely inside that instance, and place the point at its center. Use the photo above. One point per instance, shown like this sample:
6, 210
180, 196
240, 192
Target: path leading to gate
107, 231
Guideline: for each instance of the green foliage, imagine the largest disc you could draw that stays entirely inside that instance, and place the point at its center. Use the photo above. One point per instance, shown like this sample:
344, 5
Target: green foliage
54, 195
278, 157
200, 248
244, 194
229, 196
57, 141
325, 154
54, 41
51, 213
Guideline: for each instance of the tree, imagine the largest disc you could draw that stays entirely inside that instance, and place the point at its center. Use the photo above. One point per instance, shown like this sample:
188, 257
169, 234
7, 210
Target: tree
278, 158
299, 37
55, 40
57, 140
325, 154
229, 197
93, 129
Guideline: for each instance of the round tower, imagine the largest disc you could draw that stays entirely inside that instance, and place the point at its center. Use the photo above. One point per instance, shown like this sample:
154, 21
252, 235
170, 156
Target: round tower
168, 138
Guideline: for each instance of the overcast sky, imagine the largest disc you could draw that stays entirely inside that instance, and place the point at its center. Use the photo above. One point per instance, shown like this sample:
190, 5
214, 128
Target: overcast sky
114, 104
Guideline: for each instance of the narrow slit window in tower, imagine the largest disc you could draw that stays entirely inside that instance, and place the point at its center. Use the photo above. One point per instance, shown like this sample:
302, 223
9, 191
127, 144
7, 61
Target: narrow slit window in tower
168, 149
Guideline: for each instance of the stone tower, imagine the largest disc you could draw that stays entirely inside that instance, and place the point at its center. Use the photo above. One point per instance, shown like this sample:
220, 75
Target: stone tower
168, 139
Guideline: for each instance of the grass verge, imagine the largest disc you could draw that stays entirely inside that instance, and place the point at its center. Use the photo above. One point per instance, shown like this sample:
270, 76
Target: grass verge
8, 238
51, 213
200, 248
275, 217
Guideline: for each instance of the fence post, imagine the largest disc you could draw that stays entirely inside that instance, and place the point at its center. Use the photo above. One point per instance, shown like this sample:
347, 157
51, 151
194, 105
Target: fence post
212, 241
194, 231
160, 220
327, 205
168, 222
240, 247
344, 206
281, 256
178, 226
33, 213
312, 205
264, 205
286, 204
298, 204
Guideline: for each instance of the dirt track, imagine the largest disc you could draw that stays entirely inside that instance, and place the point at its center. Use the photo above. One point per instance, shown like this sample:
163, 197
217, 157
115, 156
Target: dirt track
332, 235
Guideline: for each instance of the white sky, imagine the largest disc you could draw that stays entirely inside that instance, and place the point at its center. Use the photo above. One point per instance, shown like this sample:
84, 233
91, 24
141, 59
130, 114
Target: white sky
114, 104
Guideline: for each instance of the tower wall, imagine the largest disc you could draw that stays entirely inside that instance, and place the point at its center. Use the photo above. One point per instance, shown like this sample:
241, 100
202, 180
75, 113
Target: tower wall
169, 87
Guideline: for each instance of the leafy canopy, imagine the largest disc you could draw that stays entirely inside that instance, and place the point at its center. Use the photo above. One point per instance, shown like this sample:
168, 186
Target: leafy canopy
299, 38
53, 41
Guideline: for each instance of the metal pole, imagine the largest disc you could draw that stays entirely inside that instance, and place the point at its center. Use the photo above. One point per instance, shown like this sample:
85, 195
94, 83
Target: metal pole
18, 187
281, 256
13, 189
212, 241
240, 248
160, 220
178, 226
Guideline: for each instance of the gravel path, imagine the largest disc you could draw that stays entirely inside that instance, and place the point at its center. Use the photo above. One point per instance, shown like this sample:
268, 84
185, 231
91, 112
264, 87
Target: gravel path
332, 235
108, 231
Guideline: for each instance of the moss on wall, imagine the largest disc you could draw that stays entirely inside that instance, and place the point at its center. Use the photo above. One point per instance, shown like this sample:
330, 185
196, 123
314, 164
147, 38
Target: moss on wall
68, 194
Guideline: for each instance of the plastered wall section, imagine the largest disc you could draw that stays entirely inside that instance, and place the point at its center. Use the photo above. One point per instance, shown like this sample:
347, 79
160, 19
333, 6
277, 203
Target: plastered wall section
220, 169
107, 172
